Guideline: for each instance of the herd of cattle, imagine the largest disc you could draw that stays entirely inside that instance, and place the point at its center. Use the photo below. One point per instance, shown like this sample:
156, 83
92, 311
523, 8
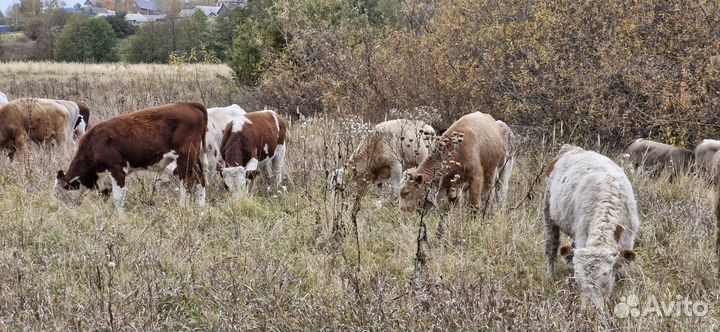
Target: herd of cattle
588, 196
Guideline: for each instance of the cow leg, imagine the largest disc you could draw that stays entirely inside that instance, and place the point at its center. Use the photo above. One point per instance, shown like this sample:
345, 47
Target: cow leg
476, 191
504, 183
396, 175
278, 163
552, 242
186, 177
117, 178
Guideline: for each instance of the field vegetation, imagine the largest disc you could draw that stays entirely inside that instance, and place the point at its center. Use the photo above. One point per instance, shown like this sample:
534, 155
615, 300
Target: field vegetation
295, 259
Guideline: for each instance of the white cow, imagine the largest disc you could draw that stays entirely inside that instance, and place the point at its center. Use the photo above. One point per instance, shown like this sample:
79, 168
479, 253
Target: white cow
705, 156
589, 198
390, 148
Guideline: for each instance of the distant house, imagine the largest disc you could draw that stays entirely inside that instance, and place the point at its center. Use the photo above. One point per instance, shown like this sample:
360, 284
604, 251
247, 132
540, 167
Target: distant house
209, 11
227, 6
5, 29
147, 7
134, 18
99, 11
188, 12
71, 10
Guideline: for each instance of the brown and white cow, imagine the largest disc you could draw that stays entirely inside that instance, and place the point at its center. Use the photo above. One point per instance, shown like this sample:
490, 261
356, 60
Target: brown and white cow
656, 157
148, 139
472, 164
705, 156
589, 198
390, 148
39, 120
256, 142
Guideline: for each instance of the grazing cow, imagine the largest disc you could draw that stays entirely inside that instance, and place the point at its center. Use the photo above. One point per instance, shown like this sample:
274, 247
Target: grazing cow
705, 156
655, 157
218, 118
257, 141
147, 139
506, 171
3, 99
471, 162
390, 148
39, 120
589, 198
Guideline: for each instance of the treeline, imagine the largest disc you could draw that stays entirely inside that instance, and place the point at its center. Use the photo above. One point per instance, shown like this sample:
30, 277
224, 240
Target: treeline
60, 36
601, 70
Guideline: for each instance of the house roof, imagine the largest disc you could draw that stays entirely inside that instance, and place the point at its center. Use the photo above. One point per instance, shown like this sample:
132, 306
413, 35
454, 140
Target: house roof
146, 4
187, 12
99, 11
209, 10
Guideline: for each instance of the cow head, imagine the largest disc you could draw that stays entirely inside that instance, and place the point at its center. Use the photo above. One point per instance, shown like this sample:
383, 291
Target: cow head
596, 270
416, 192
235, 180
67, 191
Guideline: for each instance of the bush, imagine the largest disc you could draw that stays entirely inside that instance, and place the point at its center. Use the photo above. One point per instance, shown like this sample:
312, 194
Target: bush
86, 40
121, 27
604, 70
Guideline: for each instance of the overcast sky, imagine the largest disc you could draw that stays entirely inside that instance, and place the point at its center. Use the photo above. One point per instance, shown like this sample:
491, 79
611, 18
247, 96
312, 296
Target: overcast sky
4, 4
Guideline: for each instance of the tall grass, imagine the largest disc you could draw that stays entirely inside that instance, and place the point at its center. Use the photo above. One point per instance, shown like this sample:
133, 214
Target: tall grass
275, 261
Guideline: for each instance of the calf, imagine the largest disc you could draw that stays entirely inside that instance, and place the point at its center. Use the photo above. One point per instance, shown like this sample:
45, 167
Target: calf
589, 198
39, 120
389, 149
705, 156
656, 157
147, 139
472, 163
256, 141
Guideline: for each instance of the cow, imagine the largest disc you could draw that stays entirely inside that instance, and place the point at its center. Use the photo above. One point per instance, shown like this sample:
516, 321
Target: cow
256, 141
705, 156
389, 149
148, 139
503, 182
3, 99
39, 120
218, 118
589, 198
469, 157
656, 157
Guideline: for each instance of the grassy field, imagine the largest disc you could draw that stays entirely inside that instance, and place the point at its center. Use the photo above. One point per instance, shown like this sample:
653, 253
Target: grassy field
293, 260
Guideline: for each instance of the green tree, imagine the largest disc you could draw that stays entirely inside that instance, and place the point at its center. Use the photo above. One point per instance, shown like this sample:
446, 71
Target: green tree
258, 39
86, 40
151, 43
121, 27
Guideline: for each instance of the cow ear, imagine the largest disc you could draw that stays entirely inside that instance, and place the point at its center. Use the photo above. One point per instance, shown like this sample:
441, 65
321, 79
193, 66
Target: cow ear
627, 255
419, 178
60, 175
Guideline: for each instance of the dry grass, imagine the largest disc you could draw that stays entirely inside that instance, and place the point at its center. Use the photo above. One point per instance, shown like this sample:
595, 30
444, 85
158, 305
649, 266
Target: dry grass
273, 261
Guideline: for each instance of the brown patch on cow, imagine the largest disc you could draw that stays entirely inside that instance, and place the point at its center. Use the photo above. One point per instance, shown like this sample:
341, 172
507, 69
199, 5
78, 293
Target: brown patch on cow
567, 252
618, 233
551, 167
238, 148
628, 255
139, 140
